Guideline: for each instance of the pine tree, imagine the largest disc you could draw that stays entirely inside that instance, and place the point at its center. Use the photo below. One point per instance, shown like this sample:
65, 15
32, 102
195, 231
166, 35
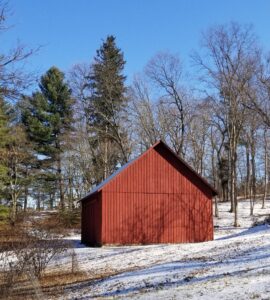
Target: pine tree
105, 109
15, 156
48, 118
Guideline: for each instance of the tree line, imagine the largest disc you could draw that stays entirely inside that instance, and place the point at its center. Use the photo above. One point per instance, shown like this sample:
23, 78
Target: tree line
77, 128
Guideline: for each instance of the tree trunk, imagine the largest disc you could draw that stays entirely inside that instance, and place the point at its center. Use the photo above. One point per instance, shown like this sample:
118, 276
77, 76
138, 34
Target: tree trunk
25, 192
25, 199
13, 209
38, 201
247, 185
60, 182
233, 193
232, 175
265, 169
226, 191
233, 159
70, 204
213, 163
231, 190
14, 195
51, 201
215, 182
253, 185
216, 208
105, 173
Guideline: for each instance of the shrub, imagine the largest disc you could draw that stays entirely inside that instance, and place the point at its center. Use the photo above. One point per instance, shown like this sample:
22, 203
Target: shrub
70, 218
25, 253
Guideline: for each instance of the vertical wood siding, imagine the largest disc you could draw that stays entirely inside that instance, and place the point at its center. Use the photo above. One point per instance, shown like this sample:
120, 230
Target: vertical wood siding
91, 220
156, 199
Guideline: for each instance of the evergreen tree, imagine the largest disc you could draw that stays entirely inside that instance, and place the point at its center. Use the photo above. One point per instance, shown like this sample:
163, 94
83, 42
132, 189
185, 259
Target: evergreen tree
48, 118
105, 109
15, 156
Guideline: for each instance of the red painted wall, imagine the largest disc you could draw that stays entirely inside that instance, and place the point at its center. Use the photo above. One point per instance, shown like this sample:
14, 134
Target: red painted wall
157, 199
92, 220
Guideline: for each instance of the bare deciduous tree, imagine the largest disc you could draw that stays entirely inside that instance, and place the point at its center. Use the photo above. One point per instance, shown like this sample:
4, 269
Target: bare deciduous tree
166, 72
144, 113
13, 79
229, 64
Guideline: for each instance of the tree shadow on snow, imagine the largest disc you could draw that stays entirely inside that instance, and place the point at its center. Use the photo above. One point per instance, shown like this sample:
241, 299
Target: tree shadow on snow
170, 284
187, 278
75, 243
251, 230
192, 273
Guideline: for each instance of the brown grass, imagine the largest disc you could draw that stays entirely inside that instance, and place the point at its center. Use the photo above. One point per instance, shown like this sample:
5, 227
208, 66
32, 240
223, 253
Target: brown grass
61, 222
50, 284
14, 237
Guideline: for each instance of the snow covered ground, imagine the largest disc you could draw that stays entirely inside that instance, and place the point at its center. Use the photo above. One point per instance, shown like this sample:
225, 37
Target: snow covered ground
236, 265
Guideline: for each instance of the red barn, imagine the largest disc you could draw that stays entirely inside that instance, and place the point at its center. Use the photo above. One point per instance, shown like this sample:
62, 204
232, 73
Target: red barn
156, 198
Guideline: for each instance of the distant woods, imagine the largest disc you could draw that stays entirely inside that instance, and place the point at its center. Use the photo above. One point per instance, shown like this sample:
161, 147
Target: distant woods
77, 128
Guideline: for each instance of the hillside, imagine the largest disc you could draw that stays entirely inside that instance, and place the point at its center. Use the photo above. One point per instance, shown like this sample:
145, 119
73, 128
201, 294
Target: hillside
235, 265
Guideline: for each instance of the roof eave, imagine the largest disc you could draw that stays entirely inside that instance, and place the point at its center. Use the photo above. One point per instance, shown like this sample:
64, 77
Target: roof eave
88, 196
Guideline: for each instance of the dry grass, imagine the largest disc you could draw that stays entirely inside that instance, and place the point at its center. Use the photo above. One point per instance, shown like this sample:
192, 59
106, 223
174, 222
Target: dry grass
23, 285
61, 222
54, 284
58, 278
48, 285
32, 241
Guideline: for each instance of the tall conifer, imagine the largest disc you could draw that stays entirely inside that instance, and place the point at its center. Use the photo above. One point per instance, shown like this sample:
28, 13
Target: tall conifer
48, 118
105, 107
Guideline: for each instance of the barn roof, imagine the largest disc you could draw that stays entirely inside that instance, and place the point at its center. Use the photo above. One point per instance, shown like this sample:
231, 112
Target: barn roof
104, 182
100, 186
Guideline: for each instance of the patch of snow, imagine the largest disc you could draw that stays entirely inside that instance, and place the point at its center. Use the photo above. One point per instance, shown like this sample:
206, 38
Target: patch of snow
236, 265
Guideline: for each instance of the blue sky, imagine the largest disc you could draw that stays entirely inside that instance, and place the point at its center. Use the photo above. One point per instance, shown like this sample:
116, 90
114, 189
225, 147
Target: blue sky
71, 31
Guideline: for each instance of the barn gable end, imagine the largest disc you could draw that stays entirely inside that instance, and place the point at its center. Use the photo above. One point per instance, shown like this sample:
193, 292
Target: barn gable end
157, 198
